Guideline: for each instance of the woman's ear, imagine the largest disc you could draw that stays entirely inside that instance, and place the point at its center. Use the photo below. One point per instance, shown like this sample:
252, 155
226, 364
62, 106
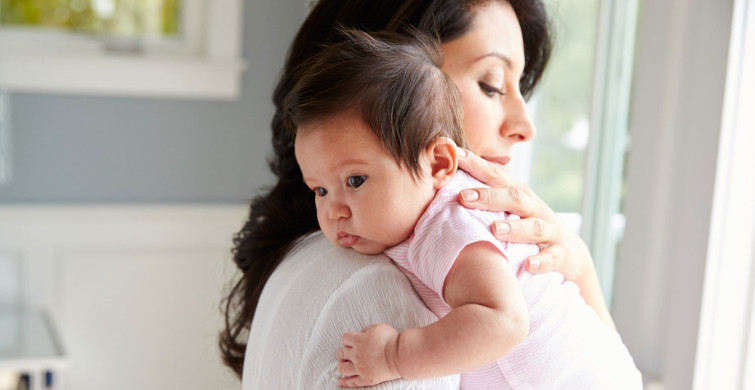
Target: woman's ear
443, 160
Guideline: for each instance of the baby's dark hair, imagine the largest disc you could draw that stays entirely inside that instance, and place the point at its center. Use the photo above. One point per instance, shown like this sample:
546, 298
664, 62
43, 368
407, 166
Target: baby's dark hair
392, 81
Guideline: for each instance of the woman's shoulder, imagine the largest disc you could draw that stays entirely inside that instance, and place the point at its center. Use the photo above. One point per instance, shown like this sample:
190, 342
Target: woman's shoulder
314, 257
317, 294
317, 278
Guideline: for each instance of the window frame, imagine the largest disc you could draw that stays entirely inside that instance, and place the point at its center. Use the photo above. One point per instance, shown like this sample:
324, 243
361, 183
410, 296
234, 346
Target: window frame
675, 123
6, 167
602, 219
599, 221
205, 64
726, 343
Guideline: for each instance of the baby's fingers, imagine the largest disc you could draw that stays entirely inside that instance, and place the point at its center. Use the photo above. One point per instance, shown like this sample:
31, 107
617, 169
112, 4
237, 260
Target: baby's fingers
346, 369
346, 353
348, 339
356, 381
353, 381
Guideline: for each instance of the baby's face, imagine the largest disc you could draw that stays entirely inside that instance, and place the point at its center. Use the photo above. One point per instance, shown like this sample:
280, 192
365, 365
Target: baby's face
364, 199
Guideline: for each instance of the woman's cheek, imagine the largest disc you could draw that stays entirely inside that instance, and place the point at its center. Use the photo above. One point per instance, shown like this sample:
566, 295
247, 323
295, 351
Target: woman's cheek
475, 137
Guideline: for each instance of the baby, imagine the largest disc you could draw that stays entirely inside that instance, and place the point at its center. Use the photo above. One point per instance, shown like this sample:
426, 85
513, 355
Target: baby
376, 124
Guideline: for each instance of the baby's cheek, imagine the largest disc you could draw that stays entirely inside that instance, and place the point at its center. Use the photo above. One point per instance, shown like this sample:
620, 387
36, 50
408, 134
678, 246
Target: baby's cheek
323, 222
320, 221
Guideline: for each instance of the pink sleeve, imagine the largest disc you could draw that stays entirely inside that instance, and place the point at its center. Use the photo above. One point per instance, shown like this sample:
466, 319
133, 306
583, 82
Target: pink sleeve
439, 238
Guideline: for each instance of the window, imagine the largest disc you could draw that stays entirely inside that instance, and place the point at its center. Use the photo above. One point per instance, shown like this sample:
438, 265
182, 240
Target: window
575, 163
100, 17
175, 48
561, 107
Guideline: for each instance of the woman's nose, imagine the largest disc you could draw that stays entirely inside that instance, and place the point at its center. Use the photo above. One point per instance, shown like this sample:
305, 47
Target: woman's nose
517, 125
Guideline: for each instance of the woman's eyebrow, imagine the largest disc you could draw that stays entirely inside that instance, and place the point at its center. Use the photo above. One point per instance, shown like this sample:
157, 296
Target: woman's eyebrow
496, 54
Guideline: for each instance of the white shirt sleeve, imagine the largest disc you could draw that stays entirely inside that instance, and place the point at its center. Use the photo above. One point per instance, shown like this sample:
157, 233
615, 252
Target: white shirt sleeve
316, 295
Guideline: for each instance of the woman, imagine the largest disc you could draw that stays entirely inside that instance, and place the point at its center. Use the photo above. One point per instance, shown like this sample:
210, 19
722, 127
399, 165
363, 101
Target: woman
319, 292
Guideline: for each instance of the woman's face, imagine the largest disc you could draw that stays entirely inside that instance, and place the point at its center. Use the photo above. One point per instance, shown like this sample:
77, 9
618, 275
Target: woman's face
486, 64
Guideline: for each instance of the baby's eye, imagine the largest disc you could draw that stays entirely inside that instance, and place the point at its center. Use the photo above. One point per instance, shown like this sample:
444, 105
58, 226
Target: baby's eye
319, 191
355, 181
490, 90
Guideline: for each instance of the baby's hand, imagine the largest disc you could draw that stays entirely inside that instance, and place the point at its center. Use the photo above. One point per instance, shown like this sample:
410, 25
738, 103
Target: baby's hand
368, 357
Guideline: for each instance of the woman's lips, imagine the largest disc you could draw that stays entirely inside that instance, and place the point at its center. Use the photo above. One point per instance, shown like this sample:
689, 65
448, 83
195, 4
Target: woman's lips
346, 239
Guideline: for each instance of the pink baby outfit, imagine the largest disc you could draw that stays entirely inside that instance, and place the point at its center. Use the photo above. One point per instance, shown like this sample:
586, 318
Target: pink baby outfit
568, 346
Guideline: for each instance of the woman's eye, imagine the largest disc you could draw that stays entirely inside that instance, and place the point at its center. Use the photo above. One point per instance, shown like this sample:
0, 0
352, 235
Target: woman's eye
356, 181
490, 90
319, 191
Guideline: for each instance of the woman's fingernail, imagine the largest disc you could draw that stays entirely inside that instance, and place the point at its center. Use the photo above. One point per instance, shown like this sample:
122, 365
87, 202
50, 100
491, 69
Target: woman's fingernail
469, 195
502, 228
534, 263
462, 152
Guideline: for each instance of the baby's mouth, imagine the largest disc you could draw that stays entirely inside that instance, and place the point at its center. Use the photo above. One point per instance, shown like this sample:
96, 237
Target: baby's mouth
346, 239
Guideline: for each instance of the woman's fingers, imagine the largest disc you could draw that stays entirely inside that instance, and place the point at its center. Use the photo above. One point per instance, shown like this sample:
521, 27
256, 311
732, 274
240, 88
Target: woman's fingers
549, 259
511, 199
560, 249
526, 230
548, 237
506, 193
485, 171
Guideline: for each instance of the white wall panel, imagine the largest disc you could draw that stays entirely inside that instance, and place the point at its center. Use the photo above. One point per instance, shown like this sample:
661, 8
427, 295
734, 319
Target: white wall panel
134, 291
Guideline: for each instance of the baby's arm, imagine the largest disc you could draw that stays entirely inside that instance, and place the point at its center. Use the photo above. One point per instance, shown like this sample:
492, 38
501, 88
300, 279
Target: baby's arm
488, 320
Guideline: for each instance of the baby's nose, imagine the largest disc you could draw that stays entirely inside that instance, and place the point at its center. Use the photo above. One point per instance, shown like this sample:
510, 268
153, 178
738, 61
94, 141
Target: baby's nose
338, 210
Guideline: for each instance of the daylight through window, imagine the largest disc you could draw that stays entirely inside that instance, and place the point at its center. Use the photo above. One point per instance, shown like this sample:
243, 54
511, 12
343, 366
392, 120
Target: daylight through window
122, 18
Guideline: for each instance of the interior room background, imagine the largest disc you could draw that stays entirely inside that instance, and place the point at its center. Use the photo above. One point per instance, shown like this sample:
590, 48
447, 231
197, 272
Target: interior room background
119, 198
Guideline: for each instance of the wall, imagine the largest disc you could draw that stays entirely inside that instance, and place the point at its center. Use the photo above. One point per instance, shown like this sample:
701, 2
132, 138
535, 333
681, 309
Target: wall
119, 217
133, 292
85, 149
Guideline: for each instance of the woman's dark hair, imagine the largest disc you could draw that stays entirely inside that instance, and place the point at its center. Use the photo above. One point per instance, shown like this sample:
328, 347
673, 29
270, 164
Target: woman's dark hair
392, 81
279, 217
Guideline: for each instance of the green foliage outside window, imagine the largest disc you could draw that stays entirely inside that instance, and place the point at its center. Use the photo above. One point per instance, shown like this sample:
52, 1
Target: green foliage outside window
111, 17
562, 108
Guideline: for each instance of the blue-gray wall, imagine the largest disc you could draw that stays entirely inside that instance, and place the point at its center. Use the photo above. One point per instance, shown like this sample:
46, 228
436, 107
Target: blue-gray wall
82, 149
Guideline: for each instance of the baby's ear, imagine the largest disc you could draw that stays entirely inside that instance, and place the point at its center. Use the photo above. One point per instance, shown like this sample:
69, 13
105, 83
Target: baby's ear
443, 160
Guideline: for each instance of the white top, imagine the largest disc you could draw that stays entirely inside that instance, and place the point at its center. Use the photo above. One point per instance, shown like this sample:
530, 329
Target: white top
316, 295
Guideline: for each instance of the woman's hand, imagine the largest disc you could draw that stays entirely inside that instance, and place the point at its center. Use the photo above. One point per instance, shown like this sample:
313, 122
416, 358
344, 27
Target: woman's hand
368, 357
561, 250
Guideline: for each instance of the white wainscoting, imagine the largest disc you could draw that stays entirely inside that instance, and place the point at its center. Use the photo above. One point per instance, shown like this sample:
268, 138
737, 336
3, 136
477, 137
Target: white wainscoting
133, 291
